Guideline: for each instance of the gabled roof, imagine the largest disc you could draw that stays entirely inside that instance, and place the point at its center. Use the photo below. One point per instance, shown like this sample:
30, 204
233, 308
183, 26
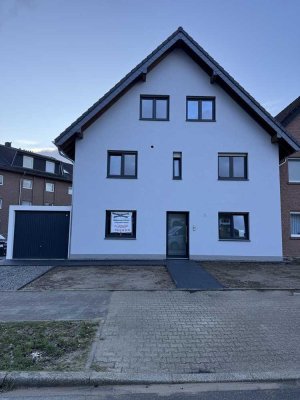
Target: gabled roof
284, 116
10, 161
179, 39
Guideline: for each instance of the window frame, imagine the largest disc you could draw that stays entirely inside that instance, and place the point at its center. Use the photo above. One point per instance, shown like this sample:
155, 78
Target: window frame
231, 177
70, 190
1, 203
52, 163
293, 236
231, 215
200, 99
179, 158
29, 203
154, 98
120, 236
28, 180
28, 158
50, 183
122, 153
288, 171
1, 180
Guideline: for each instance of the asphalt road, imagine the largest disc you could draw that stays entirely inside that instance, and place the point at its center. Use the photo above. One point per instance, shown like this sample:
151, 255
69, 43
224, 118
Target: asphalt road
164, 392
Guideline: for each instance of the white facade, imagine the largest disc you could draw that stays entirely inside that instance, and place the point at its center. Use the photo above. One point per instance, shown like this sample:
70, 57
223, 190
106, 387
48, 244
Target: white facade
154, 192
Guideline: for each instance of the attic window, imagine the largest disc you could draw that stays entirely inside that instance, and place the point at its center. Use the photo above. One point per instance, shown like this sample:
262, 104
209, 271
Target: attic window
154, 108
50, 167
200, 109
27, 162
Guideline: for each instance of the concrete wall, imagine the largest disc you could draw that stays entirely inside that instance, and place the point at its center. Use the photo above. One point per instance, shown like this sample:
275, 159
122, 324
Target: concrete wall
154, 192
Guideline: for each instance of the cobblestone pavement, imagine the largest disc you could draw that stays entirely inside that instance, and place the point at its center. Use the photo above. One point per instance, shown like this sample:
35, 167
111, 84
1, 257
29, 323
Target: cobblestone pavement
182, 332
13, 277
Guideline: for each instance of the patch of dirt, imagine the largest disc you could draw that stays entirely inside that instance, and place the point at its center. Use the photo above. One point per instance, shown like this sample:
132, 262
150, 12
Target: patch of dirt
254, 274
105, 277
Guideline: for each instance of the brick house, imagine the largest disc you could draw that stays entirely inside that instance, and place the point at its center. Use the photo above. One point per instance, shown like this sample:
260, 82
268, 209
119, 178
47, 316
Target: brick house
290, 183
27, 178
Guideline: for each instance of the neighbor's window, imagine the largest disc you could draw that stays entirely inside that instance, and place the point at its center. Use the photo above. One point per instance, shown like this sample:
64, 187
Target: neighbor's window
70, 190
232, 166
177, 165
120, 224
122, 164
295, 224
294, 170
1, 179
27, 162
48, 204
233, 226
50, 167
27, 184
1, 201
155, 108
49, 187
26, 203
200, 109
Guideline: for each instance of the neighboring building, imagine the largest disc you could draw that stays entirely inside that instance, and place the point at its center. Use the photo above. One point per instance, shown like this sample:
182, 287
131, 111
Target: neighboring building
28, 178
290, 183
177, 160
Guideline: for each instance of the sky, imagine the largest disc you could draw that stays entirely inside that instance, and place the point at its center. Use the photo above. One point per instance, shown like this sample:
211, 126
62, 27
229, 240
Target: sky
57, 57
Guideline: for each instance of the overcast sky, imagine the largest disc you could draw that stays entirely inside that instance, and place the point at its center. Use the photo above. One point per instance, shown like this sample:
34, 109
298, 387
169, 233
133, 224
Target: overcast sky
57, 57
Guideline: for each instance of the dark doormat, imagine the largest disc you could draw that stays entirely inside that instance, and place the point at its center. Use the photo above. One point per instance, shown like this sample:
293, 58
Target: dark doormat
189, 275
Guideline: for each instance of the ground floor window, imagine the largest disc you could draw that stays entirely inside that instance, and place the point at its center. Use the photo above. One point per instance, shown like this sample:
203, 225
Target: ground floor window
233, 226
295, 224
120, 224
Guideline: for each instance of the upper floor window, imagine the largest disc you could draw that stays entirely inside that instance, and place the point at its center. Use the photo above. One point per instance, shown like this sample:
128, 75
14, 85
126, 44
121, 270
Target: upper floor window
1, 179
27, 184
49, 187
26, 203
70, 190
120, 224
295, 224
233, 226
200, 109
122, 164
50, 167
177, 165
232, 166
294, 170
154, 108
27, 162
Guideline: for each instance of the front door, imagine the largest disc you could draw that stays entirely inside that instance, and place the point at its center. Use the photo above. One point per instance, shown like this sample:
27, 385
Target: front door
177, 234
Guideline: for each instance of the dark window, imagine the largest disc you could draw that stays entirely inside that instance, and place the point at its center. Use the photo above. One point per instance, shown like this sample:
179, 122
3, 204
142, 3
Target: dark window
233, 226
122, 164
120, 224
232, 166
154, 108
177, 165
200, 109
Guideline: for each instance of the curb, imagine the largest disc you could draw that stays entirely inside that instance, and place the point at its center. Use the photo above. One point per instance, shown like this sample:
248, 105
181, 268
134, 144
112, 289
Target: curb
56, 379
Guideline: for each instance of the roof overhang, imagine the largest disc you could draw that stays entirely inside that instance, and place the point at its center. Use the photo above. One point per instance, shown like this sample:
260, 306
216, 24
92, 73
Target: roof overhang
179, 39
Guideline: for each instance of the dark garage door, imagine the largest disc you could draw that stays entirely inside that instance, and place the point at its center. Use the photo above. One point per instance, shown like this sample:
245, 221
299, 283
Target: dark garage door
41, 234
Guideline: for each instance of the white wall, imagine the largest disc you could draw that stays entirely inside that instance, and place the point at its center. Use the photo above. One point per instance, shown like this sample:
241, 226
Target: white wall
154, 192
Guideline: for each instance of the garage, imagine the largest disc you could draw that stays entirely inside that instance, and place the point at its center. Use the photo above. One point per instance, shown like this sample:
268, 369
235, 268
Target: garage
38, 232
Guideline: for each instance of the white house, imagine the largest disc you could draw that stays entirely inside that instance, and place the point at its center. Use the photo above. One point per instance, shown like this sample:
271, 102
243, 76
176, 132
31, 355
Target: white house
177, 160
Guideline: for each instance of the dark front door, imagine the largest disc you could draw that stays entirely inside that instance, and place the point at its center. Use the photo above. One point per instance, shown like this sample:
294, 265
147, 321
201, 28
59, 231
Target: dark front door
41, 234
177, 234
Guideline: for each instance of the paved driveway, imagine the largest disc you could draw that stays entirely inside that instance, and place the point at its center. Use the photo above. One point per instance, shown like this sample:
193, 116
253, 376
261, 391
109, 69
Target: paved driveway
182, 332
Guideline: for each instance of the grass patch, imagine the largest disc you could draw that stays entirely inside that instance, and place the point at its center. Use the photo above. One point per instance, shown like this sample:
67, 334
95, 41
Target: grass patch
45, 346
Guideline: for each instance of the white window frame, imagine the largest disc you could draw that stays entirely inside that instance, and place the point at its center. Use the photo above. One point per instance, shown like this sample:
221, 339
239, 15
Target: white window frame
293, 235
50, 167
70, 190
292, 159
29, 161
1, 180
47, 187
27, 180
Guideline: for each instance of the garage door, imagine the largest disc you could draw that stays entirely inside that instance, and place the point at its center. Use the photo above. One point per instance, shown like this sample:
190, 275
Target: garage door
41, 234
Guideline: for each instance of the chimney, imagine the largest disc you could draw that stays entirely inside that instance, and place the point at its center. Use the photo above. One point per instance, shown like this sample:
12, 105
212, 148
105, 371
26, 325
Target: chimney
7, 144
